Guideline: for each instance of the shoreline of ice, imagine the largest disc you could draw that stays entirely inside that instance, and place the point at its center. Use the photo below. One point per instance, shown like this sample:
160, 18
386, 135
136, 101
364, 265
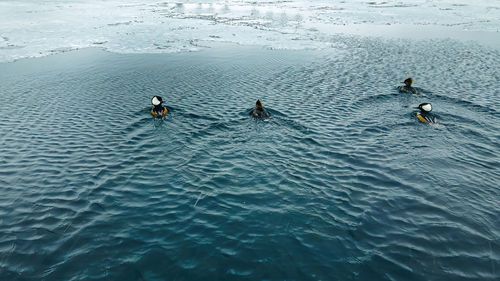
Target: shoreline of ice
34, 29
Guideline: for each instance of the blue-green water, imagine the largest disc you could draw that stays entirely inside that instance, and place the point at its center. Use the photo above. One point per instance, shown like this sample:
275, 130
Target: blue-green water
341, 183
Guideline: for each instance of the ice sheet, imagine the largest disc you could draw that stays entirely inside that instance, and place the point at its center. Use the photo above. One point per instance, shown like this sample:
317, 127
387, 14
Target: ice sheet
38, 28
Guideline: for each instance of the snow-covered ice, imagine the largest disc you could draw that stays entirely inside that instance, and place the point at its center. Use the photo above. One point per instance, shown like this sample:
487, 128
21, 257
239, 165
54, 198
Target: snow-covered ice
31, 28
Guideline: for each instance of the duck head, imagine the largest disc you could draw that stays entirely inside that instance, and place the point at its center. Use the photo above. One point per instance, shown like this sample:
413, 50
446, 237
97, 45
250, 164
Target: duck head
156, 100
258, 105
408, 82
425, 107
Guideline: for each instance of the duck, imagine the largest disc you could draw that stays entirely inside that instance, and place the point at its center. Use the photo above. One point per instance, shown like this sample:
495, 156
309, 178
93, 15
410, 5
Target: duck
259, 112
425, 115
158, 111
407, 88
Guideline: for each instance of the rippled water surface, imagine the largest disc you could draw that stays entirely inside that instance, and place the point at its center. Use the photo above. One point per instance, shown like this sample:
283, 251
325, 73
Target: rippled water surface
341, 183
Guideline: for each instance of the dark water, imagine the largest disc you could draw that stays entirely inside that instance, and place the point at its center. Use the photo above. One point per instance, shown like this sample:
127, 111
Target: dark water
342, 183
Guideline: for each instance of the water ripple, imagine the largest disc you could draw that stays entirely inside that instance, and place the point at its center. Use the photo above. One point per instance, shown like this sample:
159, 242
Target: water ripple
340, 183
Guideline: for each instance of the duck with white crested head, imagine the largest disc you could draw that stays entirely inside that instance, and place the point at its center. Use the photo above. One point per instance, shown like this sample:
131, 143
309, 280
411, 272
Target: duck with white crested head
158, 111
425, 115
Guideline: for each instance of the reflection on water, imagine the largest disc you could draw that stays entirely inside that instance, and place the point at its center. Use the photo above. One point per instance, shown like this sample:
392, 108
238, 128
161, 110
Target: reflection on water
341, 183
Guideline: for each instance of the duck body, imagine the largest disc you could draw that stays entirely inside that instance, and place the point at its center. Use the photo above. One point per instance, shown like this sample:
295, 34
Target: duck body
260, 114
407, 90
159, 111
427, 118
